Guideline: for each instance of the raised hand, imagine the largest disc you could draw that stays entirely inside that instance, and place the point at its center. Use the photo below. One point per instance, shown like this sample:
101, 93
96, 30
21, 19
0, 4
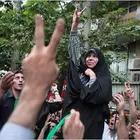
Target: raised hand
40, 70
6, 82
119, 99
129, 92
39, 67
136, 131
90, 73
73, 127
76, 18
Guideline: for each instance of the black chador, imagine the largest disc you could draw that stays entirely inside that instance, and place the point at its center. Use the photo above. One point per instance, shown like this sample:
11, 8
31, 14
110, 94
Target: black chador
91, 101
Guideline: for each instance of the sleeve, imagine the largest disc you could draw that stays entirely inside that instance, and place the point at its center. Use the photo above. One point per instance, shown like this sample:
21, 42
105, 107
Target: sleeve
12, 131
97, 93
90, 82
74, 48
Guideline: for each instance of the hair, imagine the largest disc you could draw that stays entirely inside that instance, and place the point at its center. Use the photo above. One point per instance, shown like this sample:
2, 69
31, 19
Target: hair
114, 112
91, 51
18, 71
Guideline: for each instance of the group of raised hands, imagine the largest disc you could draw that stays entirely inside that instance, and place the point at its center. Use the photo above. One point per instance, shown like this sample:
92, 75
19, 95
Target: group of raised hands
119, 98
131, 130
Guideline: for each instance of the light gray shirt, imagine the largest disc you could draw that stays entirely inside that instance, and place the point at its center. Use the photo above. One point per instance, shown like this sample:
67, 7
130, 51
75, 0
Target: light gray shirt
12, 131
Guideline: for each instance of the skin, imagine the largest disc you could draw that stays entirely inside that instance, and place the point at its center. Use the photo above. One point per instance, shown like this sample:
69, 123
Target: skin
130, 96
37, 75
122, 131
17, 86
135, 129
6, 82
91, 61
71, 124
18, 81
113, 122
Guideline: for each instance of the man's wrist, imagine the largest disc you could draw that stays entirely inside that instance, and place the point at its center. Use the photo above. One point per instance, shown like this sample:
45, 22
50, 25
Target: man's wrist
27, 89
131, 99
121, 113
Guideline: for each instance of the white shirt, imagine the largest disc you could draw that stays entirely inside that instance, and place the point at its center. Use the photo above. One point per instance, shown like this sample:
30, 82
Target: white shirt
108, 134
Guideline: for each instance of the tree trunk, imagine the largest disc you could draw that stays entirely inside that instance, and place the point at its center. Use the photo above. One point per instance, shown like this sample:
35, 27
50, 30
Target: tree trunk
87, 25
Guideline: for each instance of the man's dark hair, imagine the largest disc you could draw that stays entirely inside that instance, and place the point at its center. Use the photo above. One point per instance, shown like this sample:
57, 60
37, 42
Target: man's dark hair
18, 71
114, 112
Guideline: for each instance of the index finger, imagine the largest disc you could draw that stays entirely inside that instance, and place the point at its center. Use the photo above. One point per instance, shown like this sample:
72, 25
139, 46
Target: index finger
57, 34
8, 75
39, 31
83, 10
135, 127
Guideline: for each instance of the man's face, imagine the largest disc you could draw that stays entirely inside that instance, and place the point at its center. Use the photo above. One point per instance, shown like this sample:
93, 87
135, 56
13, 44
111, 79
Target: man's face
113, 122
18, 81
91, 60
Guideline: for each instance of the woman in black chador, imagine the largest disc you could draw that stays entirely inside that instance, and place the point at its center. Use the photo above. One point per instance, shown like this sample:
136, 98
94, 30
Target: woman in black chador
89, 87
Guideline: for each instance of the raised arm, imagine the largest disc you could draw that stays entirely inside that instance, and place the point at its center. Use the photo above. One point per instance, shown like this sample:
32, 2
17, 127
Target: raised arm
74, 49
122, 131
129, 94
38, 79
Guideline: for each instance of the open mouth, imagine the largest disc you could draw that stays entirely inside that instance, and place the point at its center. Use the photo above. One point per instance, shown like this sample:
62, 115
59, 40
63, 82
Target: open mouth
20, 85
111, 123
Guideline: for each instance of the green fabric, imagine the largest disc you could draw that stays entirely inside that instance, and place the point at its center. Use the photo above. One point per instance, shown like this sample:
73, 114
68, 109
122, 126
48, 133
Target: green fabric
16, 102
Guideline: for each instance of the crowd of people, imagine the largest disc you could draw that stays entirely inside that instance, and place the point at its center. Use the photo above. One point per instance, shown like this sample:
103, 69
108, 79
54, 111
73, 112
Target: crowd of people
31, 104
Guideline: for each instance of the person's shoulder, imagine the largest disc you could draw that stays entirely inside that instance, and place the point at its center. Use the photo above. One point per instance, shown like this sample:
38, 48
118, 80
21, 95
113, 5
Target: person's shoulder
8, 94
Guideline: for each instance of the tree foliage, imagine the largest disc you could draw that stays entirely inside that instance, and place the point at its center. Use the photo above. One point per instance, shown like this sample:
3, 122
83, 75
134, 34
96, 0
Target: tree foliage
107, 30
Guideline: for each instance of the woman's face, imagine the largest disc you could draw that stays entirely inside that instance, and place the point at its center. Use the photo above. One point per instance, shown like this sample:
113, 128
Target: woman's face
91, 60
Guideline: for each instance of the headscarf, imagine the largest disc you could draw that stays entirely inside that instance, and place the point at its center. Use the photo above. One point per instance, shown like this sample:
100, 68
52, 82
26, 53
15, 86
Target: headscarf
75, 87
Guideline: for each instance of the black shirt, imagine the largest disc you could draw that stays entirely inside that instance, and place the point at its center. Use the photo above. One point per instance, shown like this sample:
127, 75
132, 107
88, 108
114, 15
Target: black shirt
6, 107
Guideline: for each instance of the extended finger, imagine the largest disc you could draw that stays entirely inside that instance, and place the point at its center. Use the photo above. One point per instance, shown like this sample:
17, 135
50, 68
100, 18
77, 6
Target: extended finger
39, 31
10, 79
116, 99
135, 127
57, 34
69, 121
83, 10
76, 9
77, 116
8, 76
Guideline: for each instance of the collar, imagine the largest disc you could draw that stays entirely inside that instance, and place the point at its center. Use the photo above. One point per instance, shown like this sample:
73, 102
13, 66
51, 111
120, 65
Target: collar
9, 94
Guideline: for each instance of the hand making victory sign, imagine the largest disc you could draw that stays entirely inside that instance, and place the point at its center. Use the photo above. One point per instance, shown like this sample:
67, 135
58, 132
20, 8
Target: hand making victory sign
40, 71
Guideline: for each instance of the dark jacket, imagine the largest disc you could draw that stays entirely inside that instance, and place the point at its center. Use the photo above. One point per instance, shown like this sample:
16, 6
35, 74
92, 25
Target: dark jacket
6, 107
